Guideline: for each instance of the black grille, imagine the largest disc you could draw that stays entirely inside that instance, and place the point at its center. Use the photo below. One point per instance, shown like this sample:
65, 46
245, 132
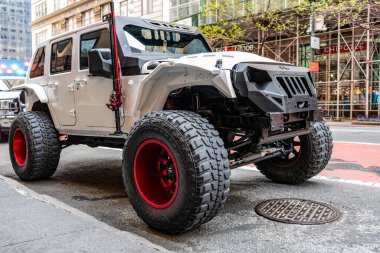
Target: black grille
295, 85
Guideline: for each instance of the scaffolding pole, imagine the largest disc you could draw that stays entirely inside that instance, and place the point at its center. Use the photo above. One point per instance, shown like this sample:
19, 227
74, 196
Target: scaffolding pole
298, 44
367, 64
352, 71
338, 70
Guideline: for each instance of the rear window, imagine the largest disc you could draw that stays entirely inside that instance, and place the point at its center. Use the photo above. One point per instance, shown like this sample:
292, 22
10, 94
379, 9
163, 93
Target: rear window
37, 68
61, 53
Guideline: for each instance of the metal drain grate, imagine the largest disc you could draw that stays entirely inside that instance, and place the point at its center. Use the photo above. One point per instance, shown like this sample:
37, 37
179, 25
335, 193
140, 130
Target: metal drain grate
297, 211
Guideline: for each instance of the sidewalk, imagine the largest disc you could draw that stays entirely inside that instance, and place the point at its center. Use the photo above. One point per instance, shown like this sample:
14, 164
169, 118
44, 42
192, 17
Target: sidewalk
339, 123
30, 222
352, 123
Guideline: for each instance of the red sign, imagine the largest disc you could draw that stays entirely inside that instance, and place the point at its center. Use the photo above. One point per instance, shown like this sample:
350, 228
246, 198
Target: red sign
344, 48
314, 66
230, 48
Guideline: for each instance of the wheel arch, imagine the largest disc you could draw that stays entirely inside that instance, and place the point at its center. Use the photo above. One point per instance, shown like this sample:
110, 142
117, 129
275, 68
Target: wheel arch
35, 93
34, 98
167, 77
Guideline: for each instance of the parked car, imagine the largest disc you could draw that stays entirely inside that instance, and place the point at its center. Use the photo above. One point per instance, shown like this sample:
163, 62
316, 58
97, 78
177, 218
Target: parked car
9, 107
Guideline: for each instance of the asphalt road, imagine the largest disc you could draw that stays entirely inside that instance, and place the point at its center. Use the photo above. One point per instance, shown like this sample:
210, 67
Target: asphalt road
353, 133
90, 180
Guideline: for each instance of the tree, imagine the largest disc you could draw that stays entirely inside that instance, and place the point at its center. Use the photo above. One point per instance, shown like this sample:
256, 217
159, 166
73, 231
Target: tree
237, 22
225, 27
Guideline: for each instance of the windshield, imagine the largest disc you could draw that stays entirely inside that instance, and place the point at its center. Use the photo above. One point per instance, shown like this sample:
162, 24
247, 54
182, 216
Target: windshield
142, 39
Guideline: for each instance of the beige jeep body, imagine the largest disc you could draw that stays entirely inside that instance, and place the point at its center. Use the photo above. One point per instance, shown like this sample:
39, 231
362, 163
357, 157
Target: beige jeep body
77, 100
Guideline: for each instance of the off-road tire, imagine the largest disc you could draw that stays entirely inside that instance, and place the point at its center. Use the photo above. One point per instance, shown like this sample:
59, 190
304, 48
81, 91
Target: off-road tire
316, 149
202, 163
41, 143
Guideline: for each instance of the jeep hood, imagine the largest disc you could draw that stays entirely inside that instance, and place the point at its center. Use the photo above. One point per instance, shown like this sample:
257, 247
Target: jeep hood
228, 59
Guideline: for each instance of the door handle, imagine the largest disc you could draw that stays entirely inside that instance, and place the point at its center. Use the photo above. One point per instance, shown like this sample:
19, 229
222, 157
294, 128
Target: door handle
80, 83
70, 87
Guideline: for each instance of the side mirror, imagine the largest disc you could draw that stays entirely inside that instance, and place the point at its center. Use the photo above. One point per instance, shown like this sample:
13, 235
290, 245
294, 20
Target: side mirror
99, 61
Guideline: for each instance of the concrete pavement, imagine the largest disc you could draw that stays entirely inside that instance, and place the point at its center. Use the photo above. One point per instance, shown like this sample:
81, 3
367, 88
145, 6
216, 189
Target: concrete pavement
35, 223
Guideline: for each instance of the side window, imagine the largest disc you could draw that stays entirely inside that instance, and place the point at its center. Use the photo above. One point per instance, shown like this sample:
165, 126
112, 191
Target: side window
37, 68
92, 40
61, 53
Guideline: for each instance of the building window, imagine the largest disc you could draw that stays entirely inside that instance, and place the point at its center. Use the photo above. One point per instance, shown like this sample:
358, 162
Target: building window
87, 18
70, 24
61, 53
181, 9
106, 9
41, 10
56, 28
89, 41
146, 6
59, 4
124, 8
37, 68
41, 36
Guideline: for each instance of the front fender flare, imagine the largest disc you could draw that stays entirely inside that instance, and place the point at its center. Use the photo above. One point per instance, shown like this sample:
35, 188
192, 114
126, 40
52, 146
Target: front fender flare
155, 88
37, 89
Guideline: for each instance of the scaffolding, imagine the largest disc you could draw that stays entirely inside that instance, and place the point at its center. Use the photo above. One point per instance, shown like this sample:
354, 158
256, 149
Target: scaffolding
349, 64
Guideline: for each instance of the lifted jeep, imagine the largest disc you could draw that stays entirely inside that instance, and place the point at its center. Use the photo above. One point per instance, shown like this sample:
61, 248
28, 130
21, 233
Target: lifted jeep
184, 116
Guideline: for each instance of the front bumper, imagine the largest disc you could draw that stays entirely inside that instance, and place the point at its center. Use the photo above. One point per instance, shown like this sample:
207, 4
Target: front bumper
276, 88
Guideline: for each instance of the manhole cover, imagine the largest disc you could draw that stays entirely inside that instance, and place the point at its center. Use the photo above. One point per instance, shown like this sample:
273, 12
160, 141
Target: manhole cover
297, 211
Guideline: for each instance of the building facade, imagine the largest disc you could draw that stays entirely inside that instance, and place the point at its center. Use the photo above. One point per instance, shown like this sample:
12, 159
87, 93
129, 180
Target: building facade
15, 32
15, 40
53, 17
190, 11
349, 59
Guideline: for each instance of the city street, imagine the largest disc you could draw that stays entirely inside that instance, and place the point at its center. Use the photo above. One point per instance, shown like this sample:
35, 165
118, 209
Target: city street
145, 75
89, 179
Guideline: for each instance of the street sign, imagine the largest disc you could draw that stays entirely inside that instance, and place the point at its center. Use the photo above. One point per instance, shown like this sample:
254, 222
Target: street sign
315, 42
314, 66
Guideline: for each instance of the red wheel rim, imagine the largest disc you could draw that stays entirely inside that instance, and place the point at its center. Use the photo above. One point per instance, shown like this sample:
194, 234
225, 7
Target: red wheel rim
156, 174
294, 156
19, 147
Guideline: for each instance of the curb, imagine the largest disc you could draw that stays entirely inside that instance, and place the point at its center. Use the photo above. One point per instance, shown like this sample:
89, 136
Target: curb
365, 123
25, 191
353, 122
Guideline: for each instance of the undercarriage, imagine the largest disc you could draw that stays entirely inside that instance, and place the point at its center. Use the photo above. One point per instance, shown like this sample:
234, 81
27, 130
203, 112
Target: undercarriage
250, 135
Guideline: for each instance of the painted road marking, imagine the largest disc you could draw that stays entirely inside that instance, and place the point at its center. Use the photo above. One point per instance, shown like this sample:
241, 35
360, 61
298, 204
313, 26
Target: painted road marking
351, 174
354, 130
356, 142
333, 179
349, 181
117, 149
366, 155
